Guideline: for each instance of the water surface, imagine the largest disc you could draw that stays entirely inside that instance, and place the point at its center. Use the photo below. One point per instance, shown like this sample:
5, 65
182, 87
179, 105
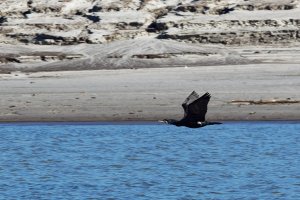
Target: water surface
258, 160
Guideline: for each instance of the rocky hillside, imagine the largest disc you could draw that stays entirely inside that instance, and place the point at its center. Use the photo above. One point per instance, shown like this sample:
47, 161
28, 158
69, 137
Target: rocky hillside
50, 35
228, 22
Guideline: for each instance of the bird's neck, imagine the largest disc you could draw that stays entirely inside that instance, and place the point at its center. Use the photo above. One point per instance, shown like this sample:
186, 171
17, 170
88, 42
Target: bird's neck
173, 121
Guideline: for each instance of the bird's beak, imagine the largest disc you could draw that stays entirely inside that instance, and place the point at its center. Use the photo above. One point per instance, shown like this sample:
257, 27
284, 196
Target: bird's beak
161, 121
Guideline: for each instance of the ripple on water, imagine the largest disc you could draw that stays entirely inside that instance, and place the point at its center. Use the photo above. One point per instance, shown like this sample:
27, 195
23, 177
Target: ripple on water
232, 161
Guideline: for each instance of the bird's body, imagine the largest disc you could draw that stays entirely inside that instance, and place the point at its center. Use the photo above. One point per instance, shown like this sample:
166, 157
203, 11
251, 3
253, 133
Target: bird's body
195, 109
191, 124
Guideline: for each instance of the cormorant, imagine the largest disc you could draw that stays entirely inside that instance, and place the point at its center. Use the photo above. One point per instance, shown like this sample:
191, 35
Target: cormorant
195, 108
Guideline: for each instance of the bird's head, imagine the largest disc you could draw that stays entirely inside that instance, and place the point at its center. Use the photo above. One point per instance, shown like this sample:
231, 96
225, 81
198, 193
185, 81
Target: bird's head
168, 121
163, 121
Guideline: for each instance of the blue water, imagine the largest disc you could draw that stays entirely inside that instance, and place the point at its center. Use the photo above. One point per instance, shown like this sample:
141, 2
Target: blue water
259, 160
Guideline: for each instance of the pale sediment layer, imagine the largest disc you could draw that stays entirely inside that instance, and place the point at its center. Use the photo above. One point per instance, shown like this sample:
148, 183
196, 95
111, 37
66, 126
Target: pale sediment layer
71, 22
136, 53
151, 94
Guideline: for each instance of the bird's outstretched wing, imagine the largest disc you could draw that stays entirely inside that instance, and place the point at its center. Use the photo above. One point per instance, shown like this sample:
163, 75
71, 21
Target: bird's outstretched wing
195, 108
190, 99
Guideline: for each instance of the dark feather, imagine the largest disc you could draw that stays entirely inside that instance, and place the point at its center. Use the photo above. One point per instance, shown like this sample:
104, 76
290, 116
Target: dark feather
190, 99
195, 108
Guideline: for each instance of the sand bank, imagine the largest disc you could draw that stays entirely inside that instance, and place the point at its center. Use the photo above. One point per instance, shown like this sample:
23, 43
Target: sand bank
151, 94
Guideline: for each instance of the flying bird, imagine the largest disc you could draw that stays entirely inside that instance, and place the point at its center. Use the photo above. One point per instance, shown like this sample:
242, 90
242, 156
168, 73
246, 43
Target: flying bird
195, 109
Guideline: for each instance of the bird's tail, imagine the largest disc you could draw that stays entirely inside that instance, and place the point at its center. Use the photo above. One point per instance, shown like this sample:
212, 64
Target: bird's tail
213, 123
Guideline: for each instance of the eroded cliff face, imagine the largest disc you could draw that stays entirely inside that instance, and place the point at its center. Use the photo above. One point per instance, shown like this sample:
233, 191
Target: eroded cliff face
66, 22
51, 35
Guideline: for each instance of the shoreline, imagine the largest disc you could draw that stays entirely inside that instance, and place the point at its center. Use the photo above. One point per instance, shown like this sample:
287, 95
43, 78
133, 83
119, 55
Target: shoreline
79, 123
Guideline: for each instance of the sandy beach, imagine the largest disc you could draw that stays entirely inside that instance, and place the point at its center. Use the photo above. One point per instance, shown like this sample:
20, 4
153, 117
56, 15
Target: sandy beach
151, 94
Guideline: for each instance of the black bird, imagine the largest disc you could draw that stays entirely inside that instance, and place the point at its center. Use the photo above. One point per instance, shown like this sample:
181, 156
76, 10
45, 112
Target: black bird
195, 108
